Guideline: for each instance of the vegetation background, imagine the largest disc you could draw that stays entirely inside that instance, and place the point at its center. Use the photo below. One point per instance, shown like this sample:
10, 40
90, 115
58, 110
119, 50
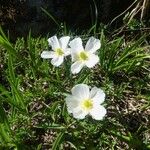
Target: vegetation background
32, 108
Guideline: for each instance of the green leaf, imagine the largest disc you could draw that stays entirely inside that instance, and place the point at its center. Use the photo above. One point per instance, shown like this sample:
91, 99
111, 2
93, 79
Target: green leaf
6, 96
3, 117
57, 141
51, 126
4, 134
50, 16
6, 44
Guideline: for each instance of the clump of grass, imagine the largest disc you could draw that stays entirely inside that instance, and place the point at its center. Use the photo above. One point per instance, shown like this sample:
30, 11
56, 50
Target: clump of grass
33, 112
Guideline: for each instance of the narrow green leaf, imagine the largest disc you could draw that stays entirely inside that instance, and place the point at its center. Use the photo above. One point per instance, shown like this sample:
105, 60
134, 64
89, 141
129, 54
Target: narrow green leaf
57, 141
51, 126
6, 44
3, 34
3, 117
4, 134
123, 57
51, 17
17, 95
11, 69
129, 62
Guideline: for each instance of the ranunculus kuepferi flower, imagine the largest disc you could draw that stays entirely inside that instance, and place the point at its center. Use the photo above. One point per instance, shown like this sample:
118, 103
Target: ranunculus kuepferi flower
84, 56
59, 50
84, 101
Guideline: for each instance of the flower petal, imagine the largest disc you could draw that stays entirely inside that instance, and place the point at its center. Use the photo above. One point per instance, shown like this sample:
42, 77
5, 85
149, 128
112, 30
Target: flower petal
79, 114
72, 103
64, 42
76, 45
97, 95
98, 112
74, 56
53, 42
67, 51
92, 61
76, 67
56, 61
92, 45
81, 91
47, 54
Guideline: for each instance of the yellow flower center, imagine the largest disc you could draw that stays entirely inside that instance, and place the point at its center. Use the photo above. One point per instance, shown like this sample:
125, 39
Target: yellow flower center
59, 51
83, 56
87, 104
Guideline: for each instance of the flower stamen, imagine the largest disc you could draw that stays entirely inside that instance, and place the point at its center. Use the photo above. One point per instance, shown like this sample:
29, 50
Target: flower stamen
83, 56
59, 51
87, 104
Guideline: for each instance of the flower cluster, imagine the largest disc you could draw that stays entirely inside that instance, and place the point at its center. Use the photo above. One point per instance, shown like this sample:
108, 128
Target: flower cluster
83, 101
80, 56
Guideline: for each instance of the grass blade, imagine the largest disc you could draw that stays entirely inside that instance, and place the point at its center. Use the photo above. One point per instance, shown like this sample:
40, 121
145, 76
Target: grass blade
3, 117
6, 44
57, 141
50, 16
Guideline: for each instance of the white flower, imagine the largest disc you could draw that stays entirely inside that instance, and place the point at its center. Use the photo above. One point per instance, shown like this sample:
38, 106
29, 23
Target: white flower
60, 50
84, 57
84, 102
